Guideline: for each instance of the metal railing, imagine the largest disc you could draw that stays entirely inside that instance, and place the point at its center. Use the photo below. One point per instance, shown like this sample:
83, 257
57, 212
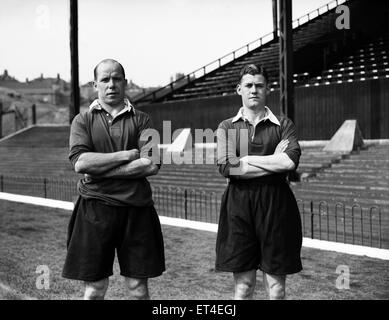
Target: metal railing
317, 12
51, 188
339, 222
346, 223
215, 64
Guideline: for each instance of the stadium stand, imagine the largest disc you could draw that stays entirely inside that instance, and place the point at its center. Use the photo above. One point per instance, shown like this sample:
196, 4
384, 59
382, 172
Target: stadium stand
317, 44
370, 61
361, 177
338, 75
37, 151
42, 151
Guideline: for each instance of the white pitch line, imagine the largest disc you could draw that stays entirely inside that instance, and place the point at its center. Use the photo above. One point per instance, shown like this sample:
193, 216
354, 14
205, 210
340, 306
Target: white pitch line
176, 222
212, 227
346, 248
66, 205
8, 289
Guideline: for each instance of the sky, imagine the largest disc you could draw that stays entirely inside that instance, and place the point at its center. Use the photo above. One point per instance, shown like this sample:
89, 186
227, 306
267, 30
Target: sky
152, 39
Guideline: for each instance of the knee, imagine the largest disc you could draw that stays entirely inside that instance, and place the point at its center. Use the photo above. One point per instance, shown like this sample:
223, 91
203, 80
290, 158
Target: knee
96, 290
244, 290
138, 288
276, 291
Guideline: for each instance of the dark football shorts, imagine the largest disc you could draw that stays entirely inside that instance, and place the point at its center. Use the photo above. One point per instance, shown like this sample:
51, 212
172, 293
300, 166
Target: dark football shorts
95, 230
259, 228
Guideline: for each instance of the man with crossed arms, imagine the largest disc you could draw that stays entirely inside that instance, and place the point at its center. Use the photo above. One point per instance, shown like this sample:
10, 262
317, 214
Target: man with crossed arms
115, 207
259, 224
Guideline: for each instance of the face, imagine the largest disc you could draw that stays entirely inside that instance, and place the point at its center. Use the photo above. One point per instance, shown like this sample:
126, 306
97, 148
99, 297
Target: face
253, 89
110, 84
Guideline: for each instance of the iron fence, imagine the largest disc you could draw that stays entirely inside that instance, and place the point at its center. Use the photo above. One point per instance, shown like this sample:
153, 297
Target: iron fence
339, 222
190, 204
51, 188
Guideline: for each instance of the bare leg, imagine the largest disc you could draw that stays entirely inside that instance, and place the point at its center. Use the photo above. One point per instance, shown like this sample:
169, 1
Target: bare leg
244, 284
138, 288
96, 290
275, 286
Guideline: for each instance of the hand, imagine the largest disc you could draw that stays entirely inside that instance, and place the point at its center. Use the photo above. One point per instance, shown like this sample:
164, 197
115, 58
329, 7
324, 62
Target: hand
243, 165
87, 176
133, 154
244, 159
281, 147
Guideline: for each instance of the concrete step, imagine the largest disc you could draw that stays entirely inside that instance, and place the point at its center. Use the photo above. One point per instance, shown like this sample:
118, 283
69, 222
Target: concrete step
47, 174
344, 186
190, 173
356, 171
352, 182
356, 166
188, 185
213, 175
217, 178
371, 155
323, 163
38, 158
317, 195
361, 177
34, 164
352, 194
310, 157
361, 162
191, 178
312, 166
189, 166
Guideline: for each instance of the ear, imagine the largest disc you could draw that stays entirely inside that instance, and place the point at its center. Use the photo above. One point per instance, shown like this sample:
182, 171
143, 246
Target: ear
94, 85
239, 89
267, 89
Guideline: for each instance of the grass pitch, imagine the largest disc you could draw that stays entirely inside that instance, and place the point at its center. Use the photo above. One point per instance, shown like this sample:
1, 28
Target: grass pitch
32, 236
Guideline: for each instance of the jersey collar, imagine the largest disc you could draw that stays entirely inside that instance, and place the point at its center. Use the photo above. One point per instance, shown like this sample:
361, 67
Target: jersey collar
269, 116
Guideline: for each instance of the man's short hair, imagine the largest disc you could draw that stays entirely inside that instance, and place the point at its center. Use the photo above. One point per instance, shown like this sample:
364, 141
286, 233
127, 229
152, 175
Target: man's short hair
108, 60
253, 70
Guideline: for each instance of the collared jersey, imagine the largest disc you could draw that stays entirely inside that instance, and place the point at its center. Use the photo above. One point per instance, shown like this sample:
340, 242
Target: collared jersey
262, 140
97, 131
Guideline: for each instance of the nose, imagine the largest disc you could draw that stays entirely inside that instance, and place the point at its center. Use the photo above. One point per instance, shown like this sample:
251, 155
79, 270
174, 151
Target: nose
111, 82
254, 88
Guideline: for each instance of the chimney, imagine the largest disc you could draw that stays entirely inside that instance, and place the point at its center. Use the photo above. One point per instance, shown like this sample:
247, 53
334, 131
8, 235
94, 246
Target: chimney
42, 76
26, 80
5, 73
58, 77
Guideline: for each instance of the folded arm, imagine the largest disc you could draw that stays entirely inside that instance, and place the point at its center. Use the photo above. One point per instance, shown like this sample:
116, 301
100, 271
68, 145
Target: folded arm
258, 166
138, 168
246, 167
285, 157
280, 161
274, 163
94, 163
247, 171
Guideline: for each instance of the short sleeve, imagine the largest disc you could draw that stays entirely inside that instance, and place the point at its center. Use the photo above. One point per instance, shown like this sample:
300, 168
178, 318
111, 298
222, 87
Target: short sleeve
79, 141
148, 140
226, 150
289, 132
